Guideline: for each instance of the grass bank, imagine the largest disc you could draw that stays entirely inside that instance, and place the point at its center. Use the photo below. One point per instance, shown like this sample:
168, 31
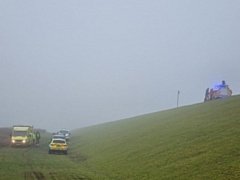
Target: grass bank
193, 142
200, 141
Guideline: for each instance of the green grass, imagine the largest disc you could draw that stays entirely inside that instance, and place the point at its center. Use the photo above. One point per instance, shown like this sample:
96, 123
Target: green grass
200, 141
36, 164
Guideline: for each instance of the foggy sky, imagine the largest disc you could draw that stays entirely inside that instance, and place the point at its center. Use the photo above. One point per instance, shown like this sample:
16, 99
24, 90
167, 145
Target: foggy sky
82, 62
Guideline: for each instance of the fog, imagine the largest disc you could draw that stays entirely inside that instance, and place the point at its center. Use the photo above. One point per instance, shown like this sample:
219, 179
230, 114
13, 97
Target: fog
74, 63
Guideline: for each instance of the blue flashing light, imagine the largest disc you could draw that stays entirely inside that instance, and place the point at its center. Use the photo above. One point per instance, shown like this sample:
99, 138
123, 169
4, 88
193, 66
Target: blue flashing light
217, 87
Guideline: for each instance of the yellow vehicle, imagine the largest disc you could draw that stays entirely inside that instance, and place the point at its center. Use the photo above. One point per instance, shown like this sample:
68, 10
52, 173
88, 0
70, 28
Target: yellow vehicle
58, 145
21, 135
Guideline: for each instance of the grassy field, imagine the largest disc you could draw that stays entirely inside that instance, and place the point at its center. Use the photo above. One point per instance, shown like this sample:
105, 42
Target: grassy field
200, 141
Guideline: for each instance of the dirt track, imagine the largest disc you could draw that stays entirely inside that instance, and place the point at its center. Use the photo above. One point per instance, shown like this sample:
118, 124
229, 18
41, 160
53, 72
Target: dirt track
35, 163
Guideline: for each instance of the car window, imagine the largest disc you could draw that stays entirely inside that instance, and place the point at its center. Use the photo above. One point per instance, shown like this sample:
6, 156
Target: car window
63, 132
19, 133
58, 141
62, 137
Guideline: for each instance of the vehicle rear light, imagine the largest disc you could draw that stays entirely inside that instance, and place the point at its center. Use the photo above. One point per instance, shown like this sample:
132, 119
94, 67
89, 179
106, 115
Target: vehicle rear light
52, 144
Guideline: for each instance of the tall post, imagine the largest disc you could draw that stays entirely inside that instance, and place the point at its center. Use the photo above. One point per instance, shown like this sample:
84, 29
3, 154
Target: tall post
178, 97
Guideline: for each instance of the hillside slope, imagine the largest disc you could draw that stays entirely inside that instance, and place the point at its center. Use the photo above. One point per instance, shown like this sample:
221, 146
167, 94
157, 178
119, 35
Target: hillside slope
199, 141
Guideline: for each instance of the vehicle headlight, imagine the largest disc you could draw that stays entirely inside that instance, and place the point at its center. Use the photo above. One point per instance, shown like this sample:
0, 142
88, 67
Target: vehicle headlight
24, 141
13, 141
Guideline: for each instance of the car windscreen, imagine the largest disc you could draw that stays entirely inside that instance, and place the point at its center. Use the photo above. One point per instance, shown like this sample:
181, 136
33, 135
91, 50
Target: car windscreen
58, 141
20, 133
63, 132
61, 137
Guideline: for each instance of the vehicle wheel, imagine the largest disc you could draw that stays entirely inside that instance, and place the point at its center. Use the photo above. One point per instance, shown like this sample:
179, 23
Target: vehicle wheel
65, 152
49, 152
